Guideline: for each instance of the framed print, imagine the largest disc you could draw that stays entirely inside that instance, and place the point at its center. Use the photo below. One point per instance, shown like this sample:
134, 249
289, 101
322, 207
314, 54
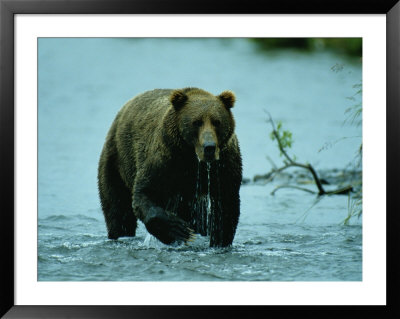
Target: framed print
159, 156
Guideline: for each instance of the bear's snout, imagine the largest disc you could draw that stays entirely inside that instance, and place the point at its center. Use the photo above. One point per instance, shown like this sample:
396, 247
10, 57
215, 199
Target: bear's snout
207, 147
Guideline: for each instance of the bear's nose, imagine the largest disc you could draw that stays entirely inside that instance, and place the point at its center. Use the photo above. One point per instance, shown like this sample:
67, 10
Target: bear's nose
209, 151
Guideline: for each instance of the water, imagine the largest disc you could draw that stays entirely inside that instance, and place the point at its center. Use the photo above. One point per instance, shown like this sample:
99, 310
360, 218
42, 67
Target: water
289, 236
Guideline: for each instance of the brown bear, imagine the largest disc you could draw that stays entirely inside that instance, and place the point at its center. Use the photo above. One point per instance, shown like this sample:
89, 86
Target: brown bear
171, 159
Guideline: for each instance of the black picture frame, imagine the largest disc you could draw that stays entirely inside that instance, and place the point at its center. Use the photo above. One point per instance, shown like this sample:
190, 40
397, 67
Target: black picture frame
8, 9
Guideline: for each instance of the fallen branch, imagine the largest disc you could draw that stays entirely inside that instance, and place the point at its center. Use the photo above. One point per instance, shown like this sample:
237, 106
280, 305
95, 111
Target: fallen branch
292, 186
291, 163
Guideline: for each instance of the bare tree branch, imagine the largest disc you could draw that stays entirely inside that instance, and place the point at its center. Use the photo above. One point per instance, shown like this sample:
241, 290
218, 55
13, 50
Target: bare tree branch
291, 163
292, 186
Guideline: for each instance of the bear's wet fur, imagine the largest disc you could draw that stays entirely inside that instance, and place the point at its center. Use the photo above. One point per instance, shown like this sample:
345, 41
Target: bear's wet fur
159, 152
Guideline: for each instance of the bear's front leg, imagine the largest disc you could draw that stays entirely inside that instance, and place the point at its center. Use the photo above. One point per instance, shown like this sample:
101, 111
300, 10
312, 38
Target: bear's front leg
225, 200
166, 227
224, 220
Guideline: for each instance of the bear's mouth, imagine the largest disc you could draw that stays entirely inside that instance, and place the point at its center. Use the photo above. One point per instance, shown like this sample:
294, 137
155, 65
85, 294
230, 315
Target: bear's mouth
207, 153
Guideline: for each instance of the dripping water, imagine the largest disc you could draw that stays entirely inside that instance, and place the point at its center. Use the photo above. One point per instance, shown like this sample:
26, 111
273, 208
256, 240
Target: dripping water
201, 202
205, 205
208, 196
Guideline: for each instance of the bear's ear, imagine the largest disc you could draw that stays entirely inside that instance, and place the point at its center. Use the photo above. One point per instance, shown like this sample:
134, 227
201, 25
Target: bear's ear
228, 98
178, 99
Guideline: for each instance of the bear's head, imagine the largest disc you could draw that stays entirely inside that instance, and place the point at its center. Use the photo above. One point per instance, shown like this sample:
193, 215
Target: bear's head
204, 120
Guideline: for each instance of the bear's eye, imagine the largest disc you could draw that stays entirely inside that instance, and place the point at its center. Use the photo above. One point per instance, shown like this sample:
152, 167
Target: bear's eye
198, 123
216, 123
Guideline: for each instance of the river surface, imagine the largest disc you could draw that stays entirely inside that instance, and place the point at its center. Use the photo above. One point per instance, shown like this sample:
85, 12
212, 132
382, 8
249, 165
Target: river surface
291, 236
